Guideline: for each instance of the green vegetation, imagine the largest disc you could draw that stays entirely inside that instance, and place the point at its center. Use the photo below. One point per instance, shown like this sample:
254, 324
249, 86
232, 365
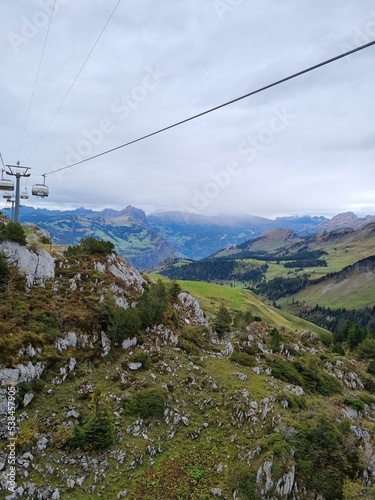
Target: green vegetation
307, 374
147, 403
222, 321
325, 455
13, 232
185, 422
123, 324
4, 272
99, 432
90, 246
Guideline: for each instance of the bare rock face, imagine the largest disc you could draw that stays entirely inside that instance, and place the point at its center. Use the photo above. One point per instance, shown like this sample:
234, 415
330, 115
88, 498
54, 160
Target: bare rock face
36, 266
190, 309
130, 276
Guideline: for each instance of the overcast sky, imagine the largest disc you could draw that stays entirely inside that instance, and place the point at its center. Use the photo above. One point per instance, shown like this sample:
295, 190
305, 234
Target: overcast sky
304, 147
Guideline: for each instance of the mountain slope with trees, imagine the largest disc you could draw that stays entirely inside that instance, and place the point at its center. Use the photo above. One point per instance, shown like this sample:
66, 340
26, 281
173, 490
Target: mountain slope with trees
129, 387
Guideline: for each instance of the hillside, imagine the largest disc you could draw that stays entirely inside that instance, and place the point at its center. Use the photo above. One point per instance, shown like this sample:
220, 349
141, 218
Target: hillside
279, 264
353, 287
125, 388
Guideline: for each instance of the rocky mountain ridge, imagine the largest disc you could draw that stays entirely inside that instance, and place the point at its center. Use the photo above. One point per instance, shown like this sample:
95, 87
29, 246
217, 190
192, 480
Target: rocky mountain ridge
145, 241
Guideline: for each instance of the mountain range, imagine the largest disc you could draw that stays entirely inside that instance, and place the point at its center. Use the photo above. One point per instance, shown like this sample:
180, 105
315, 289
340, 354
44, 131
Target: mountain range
146, 240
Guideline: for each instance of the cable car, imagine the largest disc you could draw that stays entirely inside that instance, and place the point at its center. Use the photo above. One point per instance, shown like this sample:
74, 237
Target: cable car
40, 190
6, 184
7, 195
24, 195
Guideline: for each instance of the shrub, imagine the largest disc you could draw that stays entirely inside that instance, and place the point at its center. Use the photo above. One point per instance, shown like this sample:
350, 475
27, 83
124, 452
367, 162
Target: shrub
90, 246
371, 367
367, 398
13, 232
366, 349
321, 459
191, 339
242, 358
4, 272
147, 403
357, 404
123, 324
141, 357
286, 371
326, 338
316, 380
244, 481
338, 349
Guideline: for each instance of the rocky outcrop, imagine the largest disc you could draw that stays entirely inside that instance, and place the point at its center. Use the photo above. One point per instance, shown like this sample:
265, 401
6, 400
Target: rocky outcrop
37, 265
129, 276
190, 309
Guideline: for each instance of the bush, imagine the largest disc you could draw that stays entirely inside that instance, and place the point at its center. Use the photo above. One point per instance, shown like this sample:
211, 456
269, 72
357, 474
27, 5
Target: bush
4, 272
13, 232
242, 358
371, 367
147, 403
366, 349
316, 380
244, 481
141, 357
357, 404
286, 371
123, 324
90, 246
307, 374
321, 458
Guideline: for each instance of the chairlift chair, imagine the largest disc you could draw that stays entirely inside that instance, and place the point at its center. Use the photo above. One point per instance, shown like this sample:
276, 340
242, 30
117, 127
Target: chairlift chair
7, 195
6, 184
40, 190
24, 195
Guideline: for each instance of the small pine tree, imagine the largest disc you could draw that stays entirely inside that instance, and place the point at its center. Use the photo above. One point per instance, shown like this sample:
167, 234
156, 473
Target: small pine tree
123, 324
174, 290
223, 321
275, 340
100, 430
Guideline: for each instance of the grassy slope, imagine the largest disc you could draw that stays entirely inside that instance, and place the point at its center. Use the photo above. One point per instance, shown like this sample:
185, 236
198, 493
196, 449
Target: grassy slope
211, 296
356, 291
